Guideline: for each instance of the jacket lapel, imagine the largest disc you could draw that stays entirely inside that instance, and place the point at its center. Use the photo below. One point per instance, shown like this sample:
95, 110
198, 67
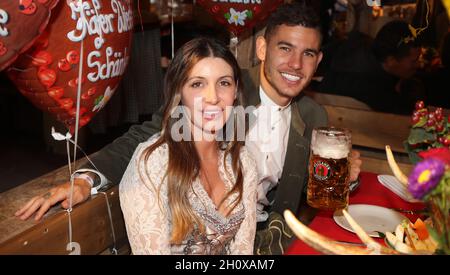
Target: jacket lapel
292, 182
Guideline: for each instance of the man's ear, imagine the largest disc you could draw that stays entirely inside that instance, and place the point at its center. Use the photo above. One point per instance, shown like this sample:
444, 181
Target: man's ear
319, 58
261, 47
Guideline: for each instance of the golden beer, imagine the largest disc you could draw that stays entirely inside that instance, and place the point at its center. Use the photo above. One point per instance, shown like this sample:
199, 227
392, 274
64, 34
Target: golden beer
328, 183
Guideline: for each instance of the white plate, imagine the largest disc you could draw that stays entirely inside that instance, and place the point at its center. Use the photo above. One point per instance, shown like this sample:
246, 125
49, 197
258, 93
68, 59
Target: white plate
391, 183
371, 218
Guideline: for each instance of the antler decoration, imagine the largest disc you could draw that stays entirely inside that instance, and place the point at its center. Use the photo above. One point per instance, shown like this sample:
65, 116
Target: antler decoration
329, 246
394, 167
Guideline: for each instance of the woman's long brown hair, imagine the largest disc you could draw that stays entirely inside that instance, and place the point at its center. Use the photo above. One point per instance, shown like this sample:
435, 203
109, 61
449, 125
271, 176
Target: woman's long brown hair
184, 162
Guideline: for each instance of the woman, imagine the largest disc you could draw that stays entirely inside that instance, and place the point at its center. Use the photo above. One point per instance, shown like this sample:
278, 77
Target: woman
194, 194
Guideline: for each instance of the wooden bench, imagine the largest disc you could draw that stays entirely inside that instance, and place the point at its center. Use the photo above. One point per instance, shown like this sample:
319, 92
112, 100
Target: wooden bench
91, 223
371, 132
337, 100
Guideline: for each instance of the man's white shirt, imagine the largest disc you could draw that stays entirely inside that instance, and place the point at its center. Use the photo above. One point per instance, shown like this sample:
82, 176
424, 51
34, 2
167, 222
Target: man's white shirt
267, 142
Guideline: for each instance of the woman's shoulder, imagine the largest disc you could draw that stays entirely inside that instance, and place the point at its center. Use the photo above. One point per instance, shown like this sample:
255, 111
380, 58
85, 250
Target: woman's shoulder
155, 163
158, 155
152, 140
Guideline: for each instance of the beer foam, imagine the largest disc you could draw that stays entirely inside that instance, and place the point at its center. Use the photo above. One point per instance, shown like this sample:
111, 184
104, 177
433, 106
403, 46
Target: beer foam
338, 148
338, 151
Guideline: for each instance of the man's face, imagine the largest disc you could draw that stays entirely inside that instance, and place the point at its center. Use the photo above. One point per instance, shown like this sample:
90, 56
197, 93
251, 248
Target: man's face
289, 58
407, 66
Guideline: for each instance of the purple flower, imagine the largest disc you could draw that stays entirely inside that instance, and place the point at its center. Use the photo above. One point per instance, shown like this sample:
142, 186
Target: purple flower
425, 176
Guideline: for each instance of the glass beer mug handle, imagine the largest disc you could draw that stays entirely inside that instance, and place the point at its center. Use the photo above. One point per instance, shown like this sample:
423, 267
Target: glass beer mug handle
354, 184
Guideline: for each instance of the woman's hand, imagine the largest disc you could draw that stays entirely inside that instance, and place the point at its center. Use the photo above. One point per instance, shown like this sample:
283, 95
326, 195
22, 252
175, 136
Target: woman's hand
41, 204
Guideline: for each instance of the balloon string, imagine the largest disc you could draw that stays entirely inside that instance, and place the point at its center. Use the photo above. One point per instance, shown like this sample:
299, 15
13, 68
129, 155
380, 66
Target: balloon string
140, 15
59, 136
68, 156
108, 206
69, 210
77, 121
419, 30
80, 80
172, 34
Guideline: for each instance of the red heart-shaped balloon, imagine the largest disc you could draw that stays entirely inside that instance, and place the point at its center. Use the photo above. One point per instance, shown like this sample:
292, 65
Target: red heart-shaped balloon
21, 22
93, 33
237, 17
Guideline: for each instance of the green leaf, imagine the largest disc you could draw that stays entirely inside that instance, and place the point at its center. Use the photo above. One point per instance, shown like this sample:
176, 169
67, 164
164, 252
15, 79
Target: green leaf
414, 157
227, 15
419, 135
422, 121
249, 14
437, 144
434, 234
412, 153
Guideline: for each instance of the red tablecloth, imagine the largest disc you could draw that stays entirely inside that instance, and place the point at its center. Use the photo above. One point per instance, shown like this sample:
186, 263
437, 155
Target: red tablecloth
371, 191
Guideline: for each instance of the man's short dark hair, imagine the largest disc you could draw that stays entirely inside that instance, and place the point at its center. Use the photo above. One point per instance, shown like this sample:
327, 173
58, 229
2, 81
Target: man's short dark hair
294, 14
394, 39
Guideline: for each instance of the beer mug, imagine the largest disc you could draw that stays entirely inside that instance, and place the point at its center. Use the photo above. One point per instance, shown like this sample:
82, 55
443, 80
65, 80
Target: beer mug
328, 184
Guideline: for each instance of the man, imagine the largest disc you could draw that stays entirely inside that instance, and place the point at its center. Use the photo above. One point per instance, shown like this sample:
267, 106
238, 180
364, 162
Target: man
377, 73
289, 54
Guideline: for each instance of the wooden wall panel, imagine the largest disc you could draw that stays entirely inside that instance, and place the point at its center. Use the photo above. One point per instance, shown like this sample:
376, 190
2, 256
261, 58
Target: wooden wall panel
371, 129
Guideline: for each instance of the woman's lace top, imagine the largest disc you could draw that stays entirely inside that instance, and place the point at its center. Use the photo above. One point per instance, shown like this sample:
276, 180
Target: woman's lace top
148, 219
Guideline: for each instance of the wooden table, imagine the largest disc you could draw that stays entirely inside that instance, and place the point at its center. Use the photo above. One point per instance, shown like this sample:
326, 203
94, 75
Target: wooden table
369, 192
91, 224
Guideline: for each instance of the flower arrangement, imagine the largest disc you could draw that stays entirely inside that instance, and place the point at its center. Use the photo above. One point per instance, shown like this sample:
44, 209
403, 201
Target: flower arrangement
430, 182
428, 148
430, 129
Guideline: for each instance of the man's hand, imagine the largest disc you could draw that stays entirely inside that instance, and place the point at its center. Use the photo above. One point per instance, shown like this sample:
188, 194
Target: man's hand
41, 204
355, 165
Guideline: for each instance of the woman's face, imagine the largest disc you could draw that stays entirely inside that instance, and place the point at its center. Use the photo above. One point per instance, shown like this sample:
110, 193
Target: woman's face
209, 93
